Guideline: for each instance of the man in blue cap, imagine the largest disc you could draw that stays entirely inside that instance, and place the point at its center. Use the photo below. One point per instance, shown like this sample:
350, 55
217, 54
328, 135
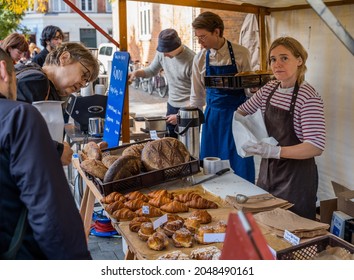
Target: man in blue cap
176, 60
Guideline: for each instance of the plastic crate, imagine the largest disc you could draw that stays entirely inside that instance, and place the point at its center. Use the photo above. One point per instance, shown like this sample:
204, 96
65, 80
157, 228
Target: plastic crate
309, 250
145, 179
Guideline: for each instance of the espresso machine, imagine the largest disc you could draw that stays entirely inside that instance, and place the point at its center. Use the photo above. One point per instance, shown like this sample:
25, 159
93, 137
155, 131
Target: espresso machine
189, 120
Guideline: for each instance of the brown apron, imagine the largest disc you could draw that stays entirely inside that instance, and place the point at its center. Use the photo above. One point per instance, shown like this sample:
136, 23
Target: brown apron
290, 179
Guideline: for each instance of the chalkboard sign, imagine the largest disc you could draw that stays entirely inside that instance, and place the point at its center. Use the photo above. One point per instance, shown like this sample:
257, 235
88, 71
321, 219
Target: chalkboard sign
116, 95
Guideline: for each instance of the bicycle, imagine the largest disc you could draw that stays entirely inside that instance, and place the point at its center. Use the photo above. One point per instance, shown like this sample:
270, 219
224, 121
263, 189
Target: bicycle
159, 84
138, 81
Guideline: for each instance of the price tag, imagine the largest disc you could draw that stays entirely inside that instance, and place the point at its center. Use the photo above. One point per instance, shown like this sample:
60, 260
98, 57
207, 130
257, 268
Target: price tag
153, 134
291, 238
145, 209
214, 237
160, 221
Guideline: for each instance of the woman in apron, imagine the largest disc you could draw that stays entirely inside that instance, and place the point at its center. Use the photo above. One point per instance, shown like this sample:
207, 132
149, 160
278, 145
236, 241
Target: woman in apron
294, 115
219, 57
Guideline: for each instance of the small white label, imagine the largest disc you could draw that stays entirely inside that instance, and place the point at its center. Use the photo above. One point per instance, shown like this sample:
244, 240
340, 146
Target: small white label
160, 221
214, 237
153, 134
146, 209
290, 237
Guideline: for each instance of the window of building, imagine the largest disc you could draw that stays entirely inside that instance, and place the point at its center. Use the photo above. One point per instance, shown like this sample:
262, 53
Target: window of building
59, 6
108, 6
145, 21
87, 5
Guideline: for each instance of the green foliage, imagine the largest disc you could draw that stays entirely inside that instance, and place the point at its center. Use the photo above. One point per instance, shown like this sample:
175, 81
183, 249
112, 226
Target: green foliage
9, 21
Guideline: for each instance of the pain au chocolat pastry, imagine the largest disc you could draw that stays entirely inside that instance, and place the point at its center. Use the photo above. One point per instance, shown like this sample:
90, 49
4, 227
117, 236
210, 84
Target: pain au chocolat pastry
199, 235
201, 203
174, 217
136, 194
159, 201
124, 214
145, 231
182, 238
174, 207
202, 216
158, 241
153, 212
184, 197
135, 224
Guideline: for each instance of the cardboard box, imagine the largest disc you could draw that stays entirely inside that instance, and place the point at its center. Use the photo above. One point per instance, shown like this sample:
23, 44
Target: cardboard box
338, 223
346, 202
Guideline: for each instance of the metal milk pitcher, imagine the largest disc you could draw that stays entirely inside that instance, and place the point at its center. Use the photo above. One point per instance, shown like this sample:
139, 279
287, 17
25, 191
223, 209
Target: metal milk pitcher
189, 120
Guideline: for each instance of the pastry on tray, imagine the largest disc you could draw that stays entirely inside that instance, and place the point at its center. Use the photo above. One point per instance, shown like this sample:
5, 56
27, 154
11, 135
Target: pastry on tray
135, 204
199, 235
159, 201
136, 194
184, 197
145, 231
201, 203
182, 238
113, 196
124, 214
170, 228
153, 212
174, 255
174, 207
158, 193
192, 224
202, 216
158, 241
205, 253
135, 224
112, 207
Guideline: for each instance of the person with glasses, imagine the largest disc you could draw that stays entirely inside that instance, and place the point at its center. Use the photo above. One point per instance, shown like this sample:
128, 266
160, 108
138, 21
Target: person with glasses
52, 36
219, 57
16, 46
67, 69
39, 218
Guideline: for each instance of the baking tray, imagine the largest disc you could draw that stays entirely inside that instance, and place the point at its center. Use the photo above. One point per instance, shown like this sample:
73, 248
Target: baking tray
237, 82
309, 250
145, 179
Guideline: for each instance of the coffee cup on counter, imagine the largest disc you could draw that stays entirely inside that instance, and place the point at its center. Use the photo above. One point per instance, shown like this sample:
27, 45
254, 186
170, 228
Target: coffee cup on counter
96, 127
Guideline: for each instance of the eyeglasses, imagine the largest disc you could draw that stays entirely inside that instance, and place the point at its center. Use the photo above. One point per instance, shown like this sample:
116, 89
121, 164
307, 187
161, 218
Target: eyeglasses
201, 38
86, 75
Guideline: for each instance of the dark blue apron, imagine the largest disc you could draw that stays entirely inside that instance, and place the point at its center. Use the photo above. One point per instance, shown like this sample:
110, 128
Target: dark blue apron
217, 139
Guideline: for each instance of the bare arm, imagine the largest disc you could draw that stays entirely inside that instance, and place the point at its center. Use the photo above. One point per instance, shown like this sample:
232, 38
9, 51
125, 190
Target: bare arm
300, 151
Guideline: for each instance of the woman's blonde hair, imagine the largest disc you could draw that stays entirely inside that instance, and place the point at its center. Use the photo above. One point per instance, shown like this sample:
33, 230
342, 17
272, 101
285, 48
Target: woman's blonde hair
78, 53
296, 49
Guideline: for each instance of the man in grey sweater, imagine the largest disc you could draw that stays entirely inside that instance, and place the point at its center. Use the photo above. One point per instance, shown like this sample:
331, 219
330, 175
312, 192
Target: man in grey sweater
176, 60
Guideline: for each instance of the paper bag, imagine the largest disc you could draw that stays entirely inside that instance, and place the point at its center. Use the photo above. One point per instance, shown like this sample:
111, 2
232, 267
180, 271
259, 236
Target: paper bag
53, 114
250, 128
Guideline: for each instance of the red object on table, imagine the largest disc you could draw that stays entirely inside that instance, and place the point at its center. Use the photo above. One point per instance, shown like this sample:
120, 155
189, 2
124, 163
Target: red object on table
244, 240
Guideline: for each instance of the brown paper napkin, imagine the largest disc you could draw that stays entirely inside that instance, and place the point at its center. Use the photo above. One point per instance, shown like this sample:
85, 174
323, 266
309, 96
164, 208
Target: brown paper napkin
255, 205
279, 220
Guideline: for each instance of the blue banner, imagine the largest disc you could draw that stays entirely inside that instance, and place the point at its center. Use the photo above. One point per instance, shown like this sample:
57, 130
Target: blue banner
116, 95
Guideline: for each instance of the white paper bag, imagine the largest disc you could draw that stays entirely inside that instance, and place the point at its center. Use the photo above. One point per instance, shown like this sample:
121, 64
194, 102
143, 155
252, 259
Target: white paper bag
250, 128
53, 114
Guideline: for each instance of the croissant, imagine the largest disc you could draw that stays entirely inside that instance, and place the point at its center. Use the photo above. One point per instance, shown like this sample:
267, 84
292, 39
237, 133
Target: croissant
158, 241
111, 197
159, 201
135, 204
153, 212
201, 203
202, 216
110, 208
136, 194
184, 197
124, 214
135, 224
174, 207
158, 193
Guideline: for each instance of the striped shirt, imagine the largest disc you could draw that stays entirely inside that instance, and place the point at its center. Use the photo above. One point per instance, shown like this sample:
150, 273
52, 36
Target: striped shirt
309, 121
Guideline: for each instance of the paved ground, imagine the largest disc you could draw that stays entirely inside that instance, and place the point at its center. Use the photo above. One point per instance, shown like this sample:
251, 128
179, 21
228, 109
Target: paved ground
143, 104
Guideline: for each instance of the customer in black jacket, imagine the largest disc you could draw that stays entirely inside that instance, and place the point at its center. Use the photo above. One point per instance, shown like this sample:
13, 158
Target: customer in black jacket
33, 184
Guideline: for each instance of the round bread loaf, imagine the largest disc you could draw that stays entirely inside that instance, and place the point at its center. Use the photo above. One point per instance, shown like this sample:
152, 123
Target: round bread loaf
134, 150
109, 160
94, 167
123, 167
92, 151
164, 153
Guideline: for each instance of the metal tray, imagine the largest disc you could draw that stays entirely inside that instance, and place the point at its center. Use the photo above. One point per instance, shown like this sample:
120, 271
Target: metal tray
237, 82
145, 179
